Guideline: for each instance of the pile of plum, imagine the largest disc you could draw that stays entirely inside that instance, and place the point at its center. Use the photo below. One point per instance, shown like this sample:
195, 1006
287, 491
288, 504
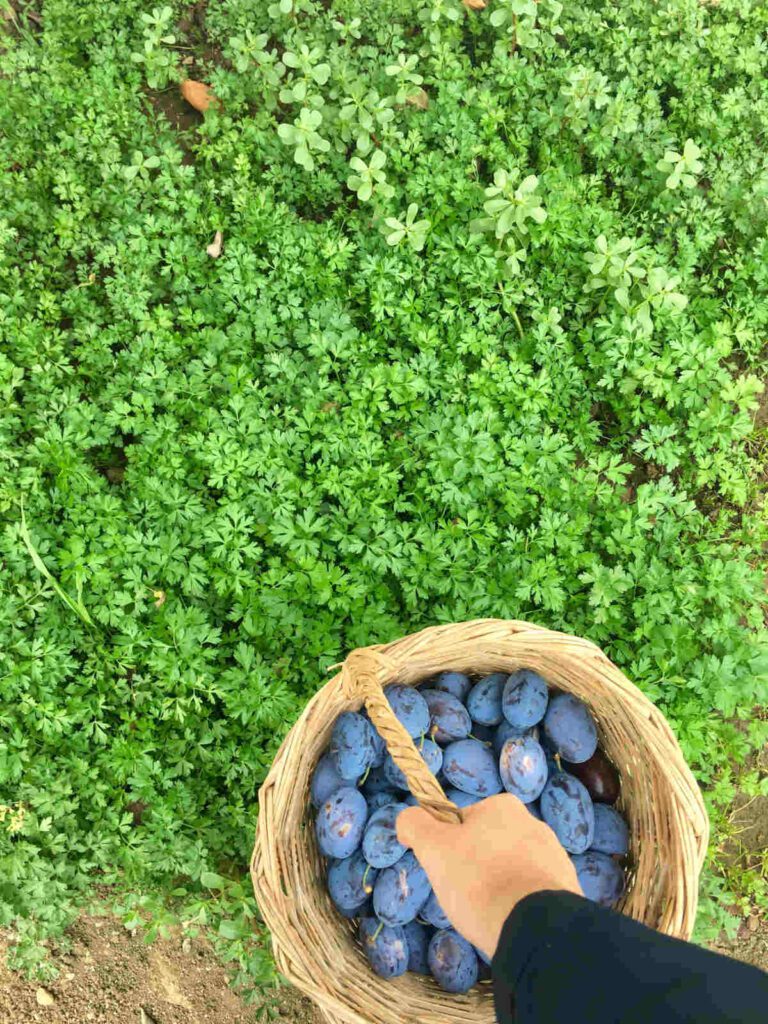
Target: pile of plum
503, 732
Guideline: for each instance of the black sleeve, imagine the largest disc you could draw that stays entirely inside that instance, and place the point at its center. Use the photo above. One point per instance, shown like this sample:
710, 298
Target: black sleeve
563, 959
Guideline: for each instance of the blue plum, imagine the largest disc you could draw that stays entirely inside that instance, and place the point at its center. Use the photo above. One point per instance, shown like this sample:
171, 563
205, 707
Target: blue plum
434, 914
535, 810
381, 799
524, 699
380, 846
409, 707
448, 718
417, 936
460, 798
455, 683
570, 728
386, 948
325, 780
523, 768
430, 752
352, 745
484, 700
340, 822
484, 733
600, 877
453, 961
611, 831
379, 749
469, 765
379, 746
376, 781
350, 882
364, 910
401, 891
503, 732
567, 809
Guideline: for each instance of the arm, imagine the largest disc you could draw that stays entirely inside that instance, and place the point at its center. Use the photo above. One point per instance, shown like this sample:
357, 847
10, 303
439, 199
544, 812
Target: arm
507, 885
562, 958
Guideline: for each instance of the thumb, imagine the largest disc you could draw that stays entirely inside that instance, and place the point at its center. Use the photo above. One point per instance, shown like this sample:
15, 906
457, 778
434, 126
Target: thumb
416, 828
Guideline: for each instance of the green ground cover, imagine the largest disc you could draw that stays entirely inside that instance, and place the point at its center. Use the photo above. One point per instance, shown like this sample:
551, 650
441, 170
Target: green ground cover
484, 338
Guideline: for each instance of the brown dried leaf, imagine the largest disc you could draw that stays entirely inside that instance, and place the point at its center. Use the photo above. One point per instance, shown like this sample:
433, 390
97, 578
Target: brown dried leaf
44, 997
198, 94
474, 5
159, 596
419, 99
214, 249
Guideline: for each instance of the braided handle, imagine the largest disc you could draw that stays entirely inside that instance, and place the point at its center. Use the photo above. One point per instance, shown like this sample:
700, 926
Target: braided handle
363, 675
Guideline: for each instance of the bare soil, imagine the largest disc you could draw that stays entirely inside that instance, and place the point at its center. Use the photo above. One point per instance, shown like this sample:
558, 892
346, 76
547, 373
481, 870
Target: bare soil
111, 976
747, 850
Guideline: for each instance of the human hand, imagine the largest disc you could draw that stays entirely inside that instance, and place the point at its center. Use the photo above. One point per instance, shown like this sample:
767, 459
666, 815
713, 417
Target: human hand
480, 869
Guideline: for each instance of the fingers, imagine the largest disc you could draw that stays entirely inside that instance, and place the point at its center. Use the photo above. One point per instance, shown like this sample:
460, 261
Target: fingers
415, 827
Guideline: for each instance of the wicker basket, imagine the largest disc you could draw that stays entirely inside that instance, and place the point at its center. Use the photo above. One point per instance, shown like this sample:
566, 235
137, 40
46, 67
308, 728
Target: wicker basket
318, 951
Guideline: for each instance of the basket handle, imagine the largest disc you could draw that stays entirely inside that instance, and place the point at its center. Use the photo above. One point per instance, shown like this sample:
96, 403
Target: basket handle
363, 674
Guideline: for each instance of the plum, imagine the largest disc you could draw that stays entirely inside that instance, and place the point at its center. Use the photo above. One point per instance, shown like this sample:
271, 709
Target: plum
378, 800
325, 780
534, 809
452, 960
470, 766
449, 719
430, 752
484, 699
379, 749
611, 831
364, 910
350, 882
523, 768
386, 948
409, 707
600, 877
455, 683
599, 776
401, 891
376, 781
570, 728
524, 699
567, 809
417, 936
352, 747
433, 913
460, 798
484, 733
380, 845
340, 822
503, 732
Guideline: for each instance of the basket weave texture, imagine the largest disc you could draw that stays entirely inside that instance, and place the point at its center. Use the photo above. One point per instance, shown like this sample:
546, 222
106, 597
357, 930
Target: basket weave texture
317, 950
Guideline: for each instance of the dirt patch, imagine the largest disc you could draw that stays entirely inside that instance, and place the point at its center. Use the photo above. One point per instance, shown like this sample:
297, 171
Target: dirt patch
750, 945
746, 851
110, 976
171, 104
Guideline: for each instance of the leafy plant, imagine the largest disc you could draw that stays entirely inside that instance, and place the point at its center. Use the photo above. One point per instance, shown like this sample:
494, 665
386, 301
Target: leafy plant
459, 354
682, 168
410, 230
304, 137
159, 62
369, 177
